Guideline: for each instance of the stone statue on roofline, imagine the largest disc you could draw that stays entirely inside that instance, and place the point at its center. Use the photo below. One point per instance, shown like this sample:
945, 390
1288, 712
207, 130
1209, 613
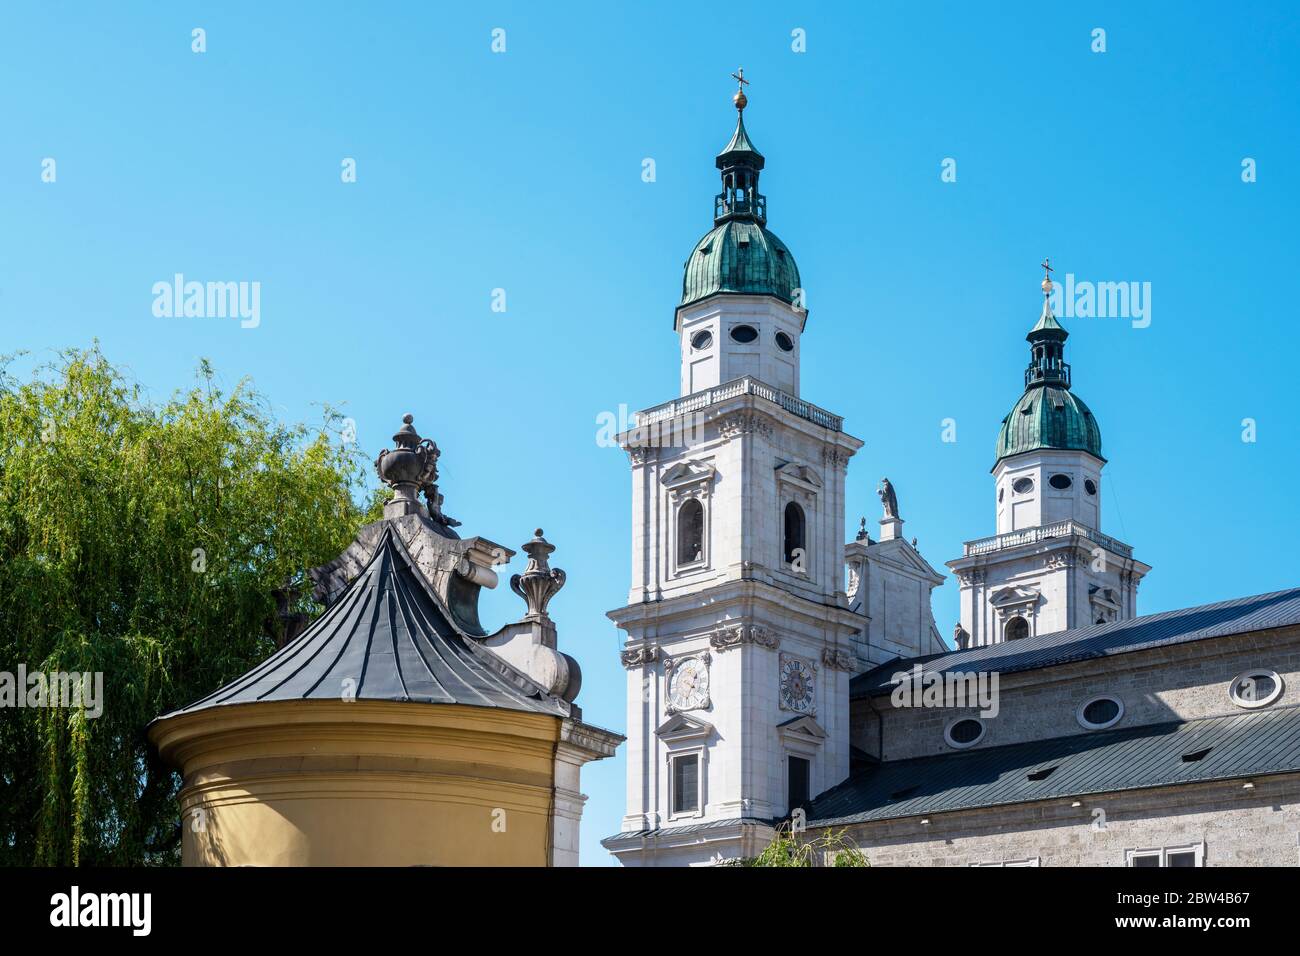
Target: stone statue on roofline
888, 498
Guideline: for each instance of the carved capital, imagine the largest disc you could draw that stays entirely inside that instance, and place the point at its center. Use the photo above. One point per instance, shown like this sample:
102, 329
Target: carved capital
838, 659
735, 635
640, 656
743, 423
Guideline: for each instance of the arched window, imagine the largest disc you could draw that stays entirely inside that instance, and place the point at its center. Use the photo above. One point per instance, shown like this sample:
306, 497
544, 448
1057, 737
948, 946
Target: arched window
794, 535
1017, 628
690, 533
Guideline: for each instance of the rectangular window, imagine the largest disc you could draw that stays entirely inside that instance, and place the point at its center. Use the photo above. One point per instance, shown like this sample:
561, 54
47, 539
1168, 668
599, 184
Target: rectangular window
686, 783
1193, 855
798, 777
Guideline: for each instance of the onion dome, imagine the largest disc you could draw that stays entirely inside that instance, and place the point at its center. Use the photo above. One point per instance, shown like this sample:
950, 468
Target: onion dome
1048, 414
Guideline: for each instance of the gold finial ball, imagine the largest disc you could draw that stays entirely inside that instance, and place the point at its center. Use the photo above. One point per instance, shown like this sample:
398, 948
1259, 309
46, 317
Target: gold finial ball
740, 99
1047, 286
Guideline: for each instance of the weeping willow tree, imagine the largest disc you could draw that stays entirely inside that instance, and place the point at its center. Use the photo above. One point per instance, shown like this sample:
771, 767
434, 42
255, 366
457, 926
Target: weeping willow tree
148, 543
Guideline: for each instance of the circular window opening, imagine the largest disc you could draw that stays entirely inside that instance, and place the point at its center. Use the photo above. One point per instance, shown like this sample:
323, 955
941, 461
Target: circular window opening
1022, 486
1100, 713
744, 333
1255, 689
1060, 482
1090, 486
784, 342
702, 340
964, 732
1001, 492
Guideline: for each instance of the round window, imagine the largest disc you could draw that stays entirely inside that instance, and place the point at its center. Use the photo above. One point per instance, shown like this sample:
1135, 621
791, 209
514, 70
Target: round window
1100, 713
1255, 689
702, 340
784, 342
1022, 486
1060, 482
964, 732
1001, 492
1090, 486
744, 333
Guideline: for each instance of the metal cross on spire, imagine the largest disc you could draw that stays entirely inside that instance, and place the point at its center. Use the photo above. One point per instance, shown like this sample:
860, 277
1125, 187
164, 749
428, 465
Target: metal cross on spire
1047, 275
740, 99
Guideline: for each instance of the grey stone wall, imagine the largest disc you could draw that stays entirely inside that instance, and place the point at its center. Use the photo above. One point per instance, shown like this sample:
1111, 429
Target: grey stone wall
1178, 682
1239, 827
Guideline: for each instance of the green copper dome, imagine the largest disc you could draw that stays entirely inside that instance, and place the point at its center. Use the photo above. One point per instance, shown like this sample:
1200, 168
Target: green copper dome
1048, 415
741, 257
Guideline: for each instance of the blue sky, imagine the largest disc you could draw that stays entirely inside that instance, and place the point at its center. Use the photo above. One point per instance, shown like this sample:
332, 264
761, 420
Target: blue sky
522, 171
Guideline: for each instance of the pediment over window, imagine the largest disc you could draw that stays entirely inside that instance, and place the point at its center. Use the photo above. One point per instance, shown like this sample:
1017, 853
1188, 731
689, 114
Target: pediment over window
804, 729
799, 475
1014, 597
683, 727
688, 475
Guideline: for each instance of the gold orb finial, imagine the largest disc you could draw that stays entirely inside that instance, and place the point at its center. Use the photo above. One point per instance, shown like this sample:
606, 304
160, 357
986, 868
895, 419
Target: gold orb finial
740, 99
1047, 276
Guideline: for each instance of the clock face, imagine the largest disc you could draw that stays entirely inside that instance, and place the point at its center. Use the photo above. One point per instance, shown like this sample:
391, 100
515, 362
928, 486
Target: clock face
798, 685
689, 687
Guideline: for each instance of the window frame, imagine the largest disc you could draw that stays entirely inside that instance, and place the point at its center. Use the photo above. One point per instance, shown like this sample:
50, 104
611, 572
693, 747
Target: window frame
1083, 721
697, 754
1278, 687
808, 769
1161, 853
959, 745
680, 566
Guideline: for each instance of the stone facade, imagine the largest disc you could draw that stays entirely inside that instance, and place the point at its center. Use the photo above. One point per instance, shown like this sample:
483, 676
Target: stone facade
1159, 685
1225, 823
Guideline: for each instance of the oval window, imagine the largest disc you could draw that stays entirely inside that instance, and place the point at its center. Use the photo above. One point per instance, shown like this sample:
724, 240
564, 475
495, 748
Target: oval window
702, 340
1090, 486
1255, 689
1100, 713
744, 333
1060, 482
784, 342
1001, 492
964, 732
1022, 486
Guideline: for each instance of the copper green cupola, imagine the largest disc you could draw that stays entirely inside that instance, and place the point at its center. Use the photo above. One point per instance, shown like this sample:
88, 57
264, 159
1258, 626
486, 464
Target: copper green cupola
1048, 414
739, 255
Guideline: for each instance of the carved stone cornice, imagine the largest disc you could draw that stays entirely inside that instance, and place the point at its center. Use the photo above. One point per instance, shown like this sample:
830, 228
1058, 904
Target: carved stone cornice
640, 656
838, 659
744, 423
735, 635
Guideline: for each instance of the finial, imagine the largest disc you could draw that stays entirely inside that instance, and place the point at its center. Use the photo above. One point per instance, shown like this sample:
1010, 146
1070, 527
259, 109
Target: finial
1047, 276
862, 530
539, 582
740, 99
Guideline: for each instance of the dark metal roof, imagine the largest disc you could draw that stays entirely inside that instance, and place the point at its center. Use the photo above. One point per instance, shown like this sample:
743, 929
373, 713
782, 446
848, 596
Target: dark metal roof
387, 637
685, 830
1234, 746
1238, 616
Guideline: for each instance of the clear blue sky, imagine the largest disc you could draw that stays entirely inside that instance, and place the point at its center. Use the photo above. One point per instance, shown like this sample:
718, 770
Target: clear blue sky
522, 171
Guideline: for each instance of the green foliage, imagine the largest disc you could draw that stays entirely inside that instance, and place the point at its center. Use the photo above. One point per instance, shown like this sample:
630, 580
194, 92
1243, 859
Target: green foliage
787, 849
105, 501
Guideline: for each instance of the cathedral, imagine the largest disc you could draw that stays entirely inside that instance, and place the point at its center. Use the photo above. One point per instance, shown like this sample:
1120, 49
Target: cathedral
778, 676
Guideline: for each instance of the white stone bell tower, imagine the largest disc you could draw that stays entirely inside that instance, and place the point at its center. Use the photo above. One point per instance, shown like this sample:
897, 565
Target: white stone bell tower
739, 635
1049, 567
